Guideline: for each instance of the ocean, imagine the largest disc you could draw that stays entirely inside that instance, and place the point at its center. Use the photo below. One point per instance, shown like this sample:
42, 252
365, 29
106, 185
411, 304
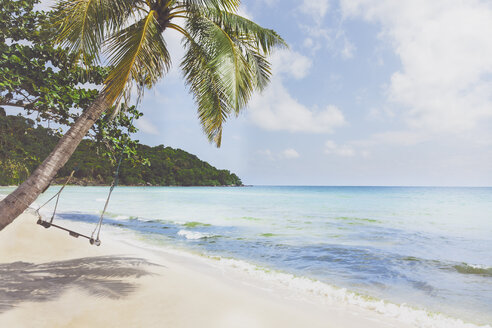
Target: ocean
423, 254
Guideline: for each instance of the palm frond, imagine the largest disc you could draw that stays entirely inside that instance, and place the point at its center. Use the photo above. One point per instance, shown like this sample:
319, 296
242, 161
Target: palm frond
260, 67
138, 54
244, 29
231, 50
248, 39
84, 24
231, 66
207, 89
228, 5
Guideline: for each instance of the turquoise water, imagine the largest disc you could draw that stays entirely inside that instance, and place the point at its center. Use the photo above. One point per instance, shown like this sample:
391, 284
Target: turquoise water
430, 248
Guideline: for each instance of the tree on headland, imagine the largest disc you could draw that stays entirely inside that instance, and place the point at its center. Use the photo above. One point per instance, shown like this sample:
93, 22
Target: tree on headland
23, 144
224, 63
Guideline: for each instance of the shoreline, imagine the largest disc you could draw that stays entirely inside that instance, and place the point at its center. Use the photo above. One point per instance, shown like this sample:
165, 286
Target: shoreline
298, 294
160, 287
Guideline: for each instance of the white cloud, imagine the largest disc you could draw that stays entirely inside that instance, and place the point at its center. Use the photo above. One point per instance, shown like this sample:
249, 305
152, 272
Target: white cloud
146, 126
290, 63
317, 9
318, 35
381, 112
275, 109
445, 50
348, 49
290, 153
332, 148
308, 43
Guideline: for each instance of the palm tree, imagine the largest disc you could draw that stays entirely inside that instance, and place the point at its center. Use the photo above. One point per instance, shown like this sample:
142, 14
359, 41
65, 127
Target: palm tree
224, 63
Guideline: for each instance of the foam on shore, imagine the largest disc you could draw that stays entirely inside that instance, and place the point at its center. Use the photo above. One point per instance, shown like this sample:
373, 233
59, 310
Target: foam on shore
333, 295
193, 234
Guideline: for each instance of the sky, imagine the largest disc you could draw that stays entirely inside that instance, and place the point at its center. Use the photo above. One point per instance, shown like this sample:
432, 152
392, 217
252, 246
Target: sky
369, 92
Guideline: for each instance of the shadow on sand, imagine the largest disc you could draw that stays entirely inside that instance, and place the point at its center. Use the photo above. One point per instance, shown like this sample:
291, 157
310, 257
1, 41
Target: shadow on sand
101, 276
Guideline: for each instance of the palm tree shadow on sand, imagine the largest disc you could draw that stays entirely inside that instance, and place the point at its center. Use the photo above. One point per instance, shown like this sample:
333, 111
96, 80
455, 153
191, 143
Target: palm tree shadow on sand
102, 276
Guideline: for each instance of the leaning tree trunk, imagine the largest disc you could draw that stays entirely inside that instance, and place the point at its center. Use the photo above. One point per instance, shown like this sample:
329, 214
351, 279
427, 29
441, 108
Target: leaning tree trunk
22, 197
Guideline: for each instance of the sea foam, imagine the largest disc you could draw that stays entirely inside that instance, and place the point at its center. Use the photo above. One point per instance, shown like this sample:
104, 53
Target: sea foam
334, 295
193, 234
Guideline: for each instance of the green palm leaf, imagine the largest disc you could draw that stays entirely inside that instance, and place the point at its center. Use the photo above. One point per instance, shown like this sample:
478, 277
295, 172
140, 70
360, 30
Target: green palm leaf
228, 50
260, 67
138, 54
84, 24
243, 28
213, 104
228, 5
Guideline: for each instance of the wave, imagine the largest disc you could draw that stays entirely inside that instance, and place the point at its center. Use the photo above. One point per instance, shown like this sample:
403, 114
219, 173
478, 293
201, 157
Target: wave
116, 216
194, 234
334, 295
463, 268
474, 269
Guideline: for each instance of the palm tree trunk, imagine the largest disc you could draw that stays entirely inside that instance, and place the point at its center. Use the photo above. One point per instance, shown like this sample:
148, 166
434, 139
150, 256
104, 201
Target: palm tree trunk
22, 197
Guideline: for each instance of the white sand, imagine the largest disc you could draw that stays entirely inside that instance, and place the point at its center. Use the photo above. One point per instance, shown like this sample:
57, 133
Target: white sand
180, 291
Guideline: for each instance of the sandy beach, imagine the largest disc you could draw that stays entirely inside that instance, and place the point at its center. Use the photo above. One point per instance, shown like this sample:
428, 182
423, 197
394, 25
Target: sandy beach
50, 279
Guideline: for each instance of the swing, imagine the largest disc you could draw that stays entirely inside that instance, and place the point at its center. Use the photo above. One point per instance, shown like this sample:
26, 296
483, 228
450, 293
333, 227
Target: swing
93, 241
48, 224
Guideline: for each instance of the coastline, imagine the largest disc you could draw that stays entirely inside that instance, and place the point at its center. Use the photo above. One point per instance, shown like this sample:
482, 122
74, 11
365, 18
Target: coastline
125, 284
130, 242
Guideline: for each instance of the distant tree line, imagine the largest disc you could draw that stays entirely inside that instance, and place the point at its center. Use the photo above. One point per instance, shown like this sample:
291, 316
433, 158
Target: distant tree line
23, 145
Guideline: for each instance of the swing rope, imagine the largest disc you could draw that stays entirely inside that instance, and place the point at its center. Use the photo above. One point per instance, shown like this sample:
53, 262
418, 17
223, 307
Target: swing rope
113, 185
93, 241
48, 224
57, 195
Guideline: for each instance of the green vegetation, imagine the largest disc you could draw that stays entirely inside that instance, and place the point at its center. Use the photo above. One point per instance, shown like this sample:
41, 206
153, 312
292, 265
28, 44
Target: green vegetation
23, 145
36, 76
46, 83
